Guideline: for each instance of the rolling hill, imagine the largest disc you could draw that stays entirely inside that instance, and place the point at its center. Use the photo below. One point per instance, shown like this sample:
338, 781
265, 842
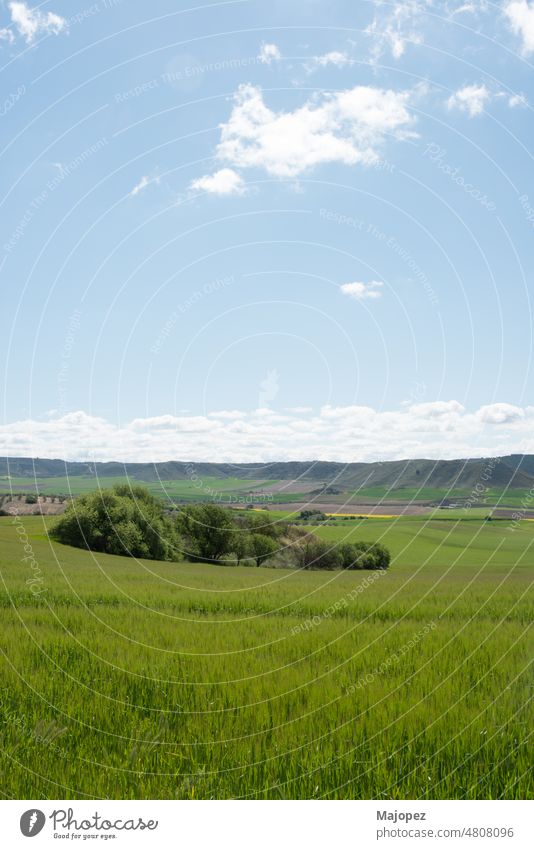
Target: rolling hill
515, 471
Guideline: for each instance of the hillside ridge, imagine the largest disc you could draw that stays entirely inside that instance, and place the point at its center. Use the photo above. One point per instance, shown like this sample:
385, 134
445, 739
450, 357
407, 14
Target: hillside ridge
515, 471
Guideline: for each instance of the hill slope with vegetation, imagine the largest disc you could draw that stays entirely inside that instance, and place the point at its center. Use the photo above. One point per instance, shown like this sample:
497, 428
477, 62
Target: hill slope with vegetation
515, 471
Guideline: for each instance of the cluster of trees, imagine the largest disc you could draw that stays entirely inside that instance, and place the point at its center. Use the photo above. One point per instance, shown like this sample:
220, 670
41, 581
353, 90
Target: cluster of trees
211, 532
129, 521
318, 554
312, 516
123, 520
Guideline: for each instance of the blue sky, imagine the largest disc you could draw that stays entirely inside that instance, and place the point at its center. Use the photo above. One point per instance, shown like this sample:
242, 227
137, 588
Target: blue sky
248, 230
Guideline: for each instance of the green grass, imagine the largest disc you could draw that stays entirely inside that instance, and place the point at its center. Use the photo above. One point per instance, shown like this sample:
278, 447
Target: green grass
161, 680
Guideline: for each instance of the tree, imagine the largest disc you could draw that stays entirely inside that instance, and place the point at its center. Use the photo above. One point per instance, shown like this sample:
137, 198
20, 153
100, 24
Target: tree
260, 524
209, 531
122, 520
242, 546
262, 547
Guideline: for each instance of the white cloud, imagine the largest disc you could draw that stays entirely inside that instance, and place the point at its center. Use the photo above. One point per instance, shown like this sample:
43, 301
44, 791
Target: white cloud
269, 53
223, 182
474, 98
334, 57
394, 26
471, 99
345, 127
142, 184
399, 24
472, 7
32, 22
465, 9
438, 429
500, 413
362, 291
520, 14
517, 100
7, 35
432, 409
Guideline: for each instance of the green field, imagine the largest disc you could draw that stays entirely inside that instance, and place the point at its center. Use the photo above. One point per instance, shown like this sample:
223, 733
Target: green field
496, 496
234, 489
127, 679
183, 490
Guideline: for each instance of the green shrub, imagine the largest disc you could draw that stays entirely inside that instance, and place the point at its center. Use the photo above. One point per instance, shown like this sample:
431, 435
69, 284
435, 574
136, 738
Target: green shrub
364, 555
284, 558
317, 554
122, 520
312, 516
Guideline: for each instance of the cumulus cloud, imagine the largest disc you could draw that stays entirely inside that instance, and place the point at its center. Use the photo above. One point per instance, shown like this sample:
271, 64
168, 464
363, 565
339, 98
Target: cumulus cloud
30, 23
431, 409
474, 99
500, 413
269, 53
223, 182
363, 291
438, 429
471, 99
520, 14
346, 127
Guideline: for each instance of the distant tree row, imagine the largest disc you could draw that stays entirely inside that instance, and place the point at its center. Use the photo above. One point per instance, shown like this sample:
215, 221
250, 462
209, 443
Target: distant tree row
130, 521
32, 498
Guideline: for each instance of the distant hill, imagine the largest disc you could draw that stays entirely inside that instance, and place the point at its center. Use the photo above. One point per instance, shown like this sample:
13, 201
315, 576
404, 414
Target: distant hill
515, 471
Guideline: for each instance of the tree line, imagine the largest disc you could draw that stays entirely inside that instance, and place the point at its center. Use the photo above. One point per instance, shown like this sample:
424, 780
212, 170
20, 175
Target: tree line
128, 520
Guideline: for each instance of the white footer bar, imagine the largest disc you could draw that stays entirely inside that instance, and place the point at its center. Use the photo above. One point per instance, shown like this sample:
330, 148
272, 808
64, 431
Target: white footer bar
269, 824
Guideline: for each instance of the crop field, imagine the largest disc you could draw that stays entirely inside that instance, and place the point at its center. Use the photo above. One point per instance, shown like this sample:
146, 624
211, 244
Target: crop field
284, 493
492, 496
186, 490
140, 679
